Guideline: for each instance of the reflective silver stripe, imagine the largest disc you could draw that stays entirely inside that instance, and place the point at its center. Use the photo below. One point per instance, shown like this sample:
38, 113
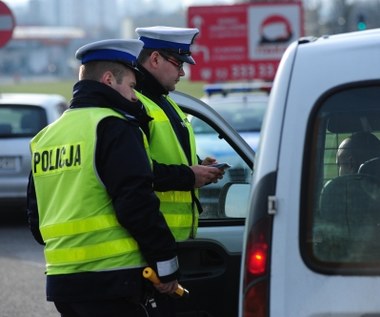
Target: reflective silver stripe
167, 267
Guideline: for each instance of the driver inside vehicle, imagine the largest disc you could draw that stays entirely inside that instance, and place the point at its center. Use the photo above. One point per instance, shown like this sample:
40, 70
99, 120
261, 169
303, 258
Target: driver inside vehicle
355, 150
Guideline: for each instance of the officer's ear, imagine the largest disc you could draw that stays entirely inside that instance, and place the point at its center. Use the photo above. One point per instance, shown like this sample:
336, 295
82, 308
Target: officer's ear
107, 78
155, 59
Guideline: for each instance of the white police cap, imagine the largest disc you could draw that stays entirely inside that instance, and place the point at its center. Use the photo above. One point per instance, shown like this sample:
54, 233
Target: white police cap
176, 41
116, 50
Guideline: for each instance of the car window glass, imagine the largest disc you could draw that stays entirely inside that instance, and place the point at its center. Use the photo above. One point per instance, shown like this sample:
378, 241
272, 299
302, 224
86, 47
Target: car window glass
20, 121
201, 127
343, 203
209, 143
243, 114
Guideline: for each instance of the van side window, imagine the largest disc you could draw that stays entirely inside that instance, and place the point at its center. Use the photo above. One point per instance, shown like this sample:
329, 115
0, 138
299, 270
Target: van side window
342, 177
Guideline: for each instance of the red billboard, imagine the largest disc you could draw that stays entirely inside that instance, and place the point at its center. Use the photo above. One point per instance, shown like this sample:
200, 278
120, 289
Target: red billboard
243, 41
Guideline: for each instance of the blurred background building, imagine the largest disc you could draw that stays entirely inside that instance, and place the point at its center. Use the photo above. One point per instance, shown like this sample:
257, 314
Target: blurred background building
48, 32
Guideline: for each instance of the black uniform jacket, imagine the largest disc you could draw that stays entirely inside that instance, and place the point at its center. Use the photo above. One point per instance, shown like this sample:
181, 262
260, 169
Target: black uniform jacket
122, 164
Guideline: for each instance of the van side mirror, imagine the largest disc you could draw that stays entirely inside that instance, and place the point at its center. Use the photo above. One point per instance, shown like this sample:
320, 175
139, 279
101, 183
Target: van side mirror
234, 199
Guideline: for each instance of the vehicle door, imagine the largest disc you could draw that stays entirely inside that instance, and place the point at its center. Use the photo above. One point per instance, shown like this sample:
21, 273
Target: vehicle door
210, 264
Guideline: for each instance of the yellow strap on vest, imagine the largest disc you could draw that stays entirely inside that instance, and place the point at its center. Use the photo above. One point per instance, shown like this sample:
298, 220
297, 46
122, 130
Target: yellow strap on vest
90, 252
79, 226
174, 196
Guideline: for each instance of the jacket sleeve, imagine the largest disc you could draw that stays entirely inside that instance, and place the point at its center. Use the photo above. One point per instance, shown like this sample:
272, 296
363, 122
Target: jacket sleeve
32, 211
172, 177
125, 170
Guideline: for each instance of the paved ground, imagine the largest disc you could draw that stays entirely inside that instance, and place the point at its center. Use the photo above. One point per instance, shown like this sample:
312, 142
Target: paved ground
22, 279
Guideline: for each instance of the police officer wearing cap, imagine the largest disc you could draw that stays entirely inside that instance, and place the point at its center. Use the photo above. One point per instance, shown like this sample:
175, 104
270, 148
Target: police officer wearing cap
178, 171
90, 197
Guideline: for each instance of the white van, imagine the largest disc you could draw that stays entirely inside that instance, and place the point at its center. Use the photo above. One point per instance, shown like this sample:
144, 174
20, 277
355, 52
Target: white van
312, 236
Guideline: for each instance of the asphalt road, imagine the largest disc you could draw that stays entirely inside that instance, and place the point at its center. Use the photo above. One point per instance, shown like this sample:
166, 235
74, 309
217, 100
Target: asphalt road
22, 279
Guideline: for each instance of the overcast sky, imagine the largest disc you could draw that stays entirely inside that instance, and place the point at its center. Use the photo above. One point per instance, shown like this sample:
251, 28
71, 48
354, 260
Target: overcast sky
135, 6
170, 3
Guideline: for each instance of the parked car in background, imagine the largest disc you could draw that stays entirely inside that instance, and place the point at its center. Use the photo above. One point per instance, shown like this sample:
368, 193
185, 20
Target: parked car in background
243, 106
21, 117
312, 235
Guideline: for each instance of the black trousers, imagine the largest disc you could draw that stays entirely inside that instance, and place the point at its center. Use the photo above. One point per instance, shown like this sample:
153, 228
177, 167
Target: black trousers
161, 306
101, 308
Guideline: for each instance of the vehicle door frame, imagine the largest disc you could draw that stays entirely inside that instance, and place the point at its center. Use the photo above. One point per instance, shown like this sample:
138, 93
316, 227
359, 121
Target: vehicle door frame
210, 263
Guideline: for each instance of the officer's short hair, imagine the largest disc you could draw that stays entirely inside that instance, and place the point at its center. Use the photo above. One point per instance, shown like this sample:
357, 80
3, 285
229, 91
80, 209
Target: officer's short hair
95, 70
144, 54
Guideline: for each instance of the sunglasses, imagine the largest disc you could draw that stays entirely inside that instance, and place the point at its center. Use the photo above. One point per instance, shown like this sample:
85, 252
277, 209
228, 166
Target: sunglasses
171, 60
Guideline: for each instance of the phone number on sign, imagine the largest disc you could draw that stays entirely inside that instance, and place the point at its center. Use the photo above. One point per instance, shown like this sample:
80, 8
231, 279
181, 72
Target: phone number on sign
265, 71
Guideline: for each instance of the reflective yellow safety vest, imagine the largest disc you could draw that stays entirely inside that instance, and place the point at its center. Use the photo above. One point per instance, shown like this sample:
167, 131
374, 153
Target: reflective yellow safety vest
77, 220
178, 207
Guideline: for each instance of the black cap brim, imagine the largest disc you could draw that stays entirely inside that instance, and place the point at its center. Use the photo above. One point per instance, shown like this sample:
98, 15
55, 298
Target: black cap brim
138, 73
184, 58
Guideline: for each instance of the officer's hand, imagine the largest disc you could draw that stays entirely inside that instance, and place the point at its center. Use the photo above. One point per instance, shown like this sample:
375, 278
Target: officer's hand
167, 288
208, 161
206, 174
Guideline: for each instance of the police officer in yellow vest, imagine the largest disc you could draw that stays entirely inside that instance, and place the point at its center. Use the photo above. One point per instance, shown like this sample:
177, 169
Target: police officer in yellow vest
90, 196
178, 171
